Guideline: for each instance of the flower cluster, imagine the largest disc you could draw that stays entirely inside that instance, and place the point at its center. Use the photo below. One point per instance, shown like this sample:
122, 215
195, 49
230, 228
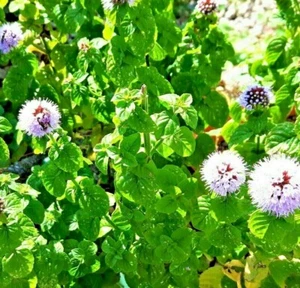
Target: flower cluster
206, 7
274, 184
254, 96
224, 172
110, 4
39, 117
10, 35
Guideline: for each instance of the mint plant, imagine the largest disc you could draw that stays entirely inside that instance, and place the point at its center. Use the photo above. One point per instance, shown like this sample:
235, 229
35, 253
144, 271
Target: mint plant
111, 114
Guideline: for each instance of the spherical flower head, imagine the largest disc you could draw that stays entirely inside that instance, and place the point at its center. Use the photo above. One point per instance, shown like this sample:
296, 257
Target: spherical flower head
254, 96
224, 172
110, 4
39, 117
206, 7
10, 35
275, 185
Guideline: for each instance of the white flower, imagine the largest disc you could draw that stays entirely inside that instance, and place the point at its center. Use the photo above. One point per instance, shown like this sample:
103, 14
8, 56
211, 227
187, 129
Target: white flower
224, 172
10, 35
39, 117
110, 4
206, 7
275, 185
255, 95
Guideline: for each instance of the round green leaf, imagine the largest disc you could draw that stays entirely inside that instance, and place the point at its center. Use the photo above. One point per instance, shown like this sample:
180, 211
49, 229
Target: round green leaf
55, 180
68, 157
19, 264
93, 199
5, 125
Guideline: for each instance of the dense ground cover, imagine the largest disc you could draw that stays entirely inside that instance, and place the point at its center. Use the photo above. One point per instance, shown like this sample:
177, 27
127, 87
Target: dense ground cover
129, 159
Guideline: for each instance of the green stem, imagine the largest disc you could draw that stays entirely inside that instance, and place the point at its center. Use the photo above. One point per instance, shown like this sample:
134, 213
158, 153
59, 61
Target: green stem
110, 222
257, 144
52, 139
146, 108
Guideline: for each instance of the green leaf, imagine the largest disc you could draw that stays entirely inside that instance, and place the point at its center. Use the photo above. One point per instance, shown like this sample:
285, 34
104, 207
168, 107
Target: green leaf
5, 125
19, 264
4, 155
170, 251
139, 187
268, 227
259, 223
131, 143
190, 117
157, 53
169, 35
74, 17
10, 237
141, 121
283, 95
182, 142
168, 100
144, 26
226, 237
275, 49
50, 260
117, 257
283, 139
226, 209
55, 179
214, 110
212, 277
166, 124
204, 146
89, 226
201, 217
67, 157
83, 260
236, 111
282, 269
155, 82
102, 162
242, 133
35, 211
22, 73
93, 199
166, 204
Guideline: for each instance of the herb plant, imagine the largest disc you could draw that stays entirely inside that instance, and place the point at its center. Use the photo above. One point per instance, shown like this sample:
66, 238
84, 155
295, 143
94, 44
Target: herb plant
112, 172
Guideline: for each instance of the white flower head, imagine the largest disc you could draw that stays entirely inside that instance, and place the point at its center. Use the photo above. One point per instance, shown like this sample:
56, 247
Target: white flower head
275, 185
10, 35
224, 172
39, 117
256, 95
206, 7
110, 4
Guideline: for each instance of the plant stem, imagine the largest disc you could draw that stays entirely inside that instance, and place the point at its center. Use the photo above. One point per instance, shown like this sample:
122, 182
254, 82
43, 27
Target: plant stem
110, 222
52, 139
146, 108
257, 144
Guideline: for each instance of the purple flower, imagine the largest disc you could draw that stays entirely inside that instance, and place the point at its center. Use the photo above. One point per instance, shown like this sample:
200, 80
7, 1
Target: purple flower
39, 117
10, 35
206, 7
275, 185
255, 95
224, 172
110, 4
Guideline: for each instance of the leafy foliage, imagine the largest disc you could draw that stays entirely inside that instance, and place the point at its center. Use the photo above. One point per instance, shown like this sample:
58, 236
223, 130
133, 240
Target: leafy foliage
115, 197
